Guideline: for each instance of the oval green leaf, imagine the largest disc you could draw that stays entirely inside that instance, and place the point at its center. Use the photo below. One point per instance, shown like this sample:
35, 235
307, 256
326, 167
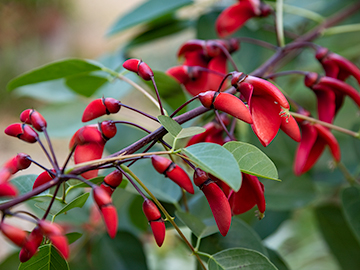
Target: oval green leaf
238, 258
252, 160
46, 258
217, 161
77, 202
85, 84
350, 198
56, 70
173, 127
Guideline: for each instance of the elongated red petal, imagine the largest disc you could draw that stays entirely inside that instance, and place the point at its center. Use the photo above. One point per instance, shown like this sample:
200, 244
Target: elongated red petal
7, 189
330, 140
219, 206
217, 64
110, 216
180, 177
100, 107
61, 243
150, 210
14, 234
31, 245
290, 127
43, 178
326, 102
101, 197
158, 229
160, 163
87, 152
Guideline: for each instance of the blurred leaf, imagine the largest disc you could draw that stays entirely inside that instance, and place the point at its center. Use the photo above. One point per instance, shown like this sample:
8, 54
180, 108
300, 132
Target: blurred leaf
252, 160
271, 222
217, 161
84, 84
239, 235
136, 216
350, 198
72, 237
10, 262
170, 125
199, 227
46, 258
277, 260
122, 253
44, 201
77, 202
236, 258
78, 184
339, 237
53, 71
145, 12
169, 89
190, 131
203, 31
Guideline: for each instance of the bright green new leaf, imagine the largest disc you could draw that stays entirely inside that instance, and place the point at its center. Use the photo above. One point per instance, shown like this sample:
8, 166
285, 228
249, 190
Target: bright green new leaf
56, 70
252, 160
350, 198
239, 258
146, 12
217, 161
46, 258
77, 202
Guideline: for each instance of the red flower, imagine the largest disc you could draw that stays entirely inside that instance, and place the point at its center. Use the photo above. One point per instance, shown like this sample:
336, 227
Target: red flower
251, 193
267, 106
204, 66
235, 16
313, 141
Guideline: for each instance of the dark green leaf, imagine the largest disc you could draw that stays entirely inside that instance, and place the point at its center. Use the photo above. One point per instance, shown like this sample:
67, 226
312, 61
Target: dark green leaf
72, 237
170, 125
53, 71
77, 202
339, 237
84, 84
277, 260
10, 262
136, 217
201, 228
169, 90
44, 201
122, 253
217, 161
239, 235
350, 198
237, 258
252, 160
46, 258
147, 11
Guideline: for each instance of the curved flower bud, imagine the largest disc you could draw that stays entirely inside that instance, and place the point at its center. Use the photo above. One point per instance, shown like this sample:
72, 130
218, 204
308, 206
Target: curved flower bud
100, 107
32, 243
173, 171
153, 215
34, 118
43, 178
20, 162
216, 198
7, 189
23, 132
227, 103
14, 234
108, 129
112, 181
140, 68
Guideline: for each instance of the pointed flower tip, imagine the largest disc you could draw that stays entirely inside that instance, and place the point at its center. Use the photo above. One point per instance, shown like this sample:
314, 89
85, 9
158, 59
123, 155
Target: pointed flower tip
159, 230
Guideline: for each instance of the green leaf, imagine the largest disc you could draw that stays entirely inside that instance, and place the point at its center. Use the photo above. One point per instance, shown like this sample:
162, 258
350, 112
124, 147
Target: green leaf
170, 125
339, 237
190, 131
169, 90
201, 228
56, 70
75, 183
140, 221
123, 252
85, 84
239, 235
46, 258
350, 198
77, 202
217, 161
252, 160
72, 237
236, 258
44, 201
277, 260
147, 11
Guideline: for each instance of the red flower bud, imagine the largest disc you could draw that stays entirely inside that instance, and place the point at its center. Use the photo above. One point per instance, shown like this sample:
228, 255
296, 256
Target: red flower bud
140, 68
33, 241
227, 103
158, 229
110, 218
13, 165
34, 118
173, 171
15, 235
108, 130
55, 233
100, 107
153, 215
43, 178
150, 210
217, 200
23, 132
101, 197
112, 181
7, 189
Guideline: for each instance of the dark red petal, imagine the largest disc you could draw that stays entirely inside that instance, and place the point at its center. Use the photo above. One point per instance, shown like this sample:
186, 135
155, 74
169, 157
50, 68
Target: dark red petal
330, 140
101, 197
158, 229
150, 210
14, 234
108, 129
290, 127
326, 102
217, 64
31, 245
219, 206
111, 219
345, 65
180, 177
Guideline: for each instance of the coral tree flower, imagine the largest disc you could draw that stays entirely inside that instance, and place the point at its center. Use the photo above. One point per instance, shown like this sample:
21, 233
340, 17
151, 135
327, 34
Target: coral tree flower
205, 64
235, 16
251, 193
268, 108
313, 141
